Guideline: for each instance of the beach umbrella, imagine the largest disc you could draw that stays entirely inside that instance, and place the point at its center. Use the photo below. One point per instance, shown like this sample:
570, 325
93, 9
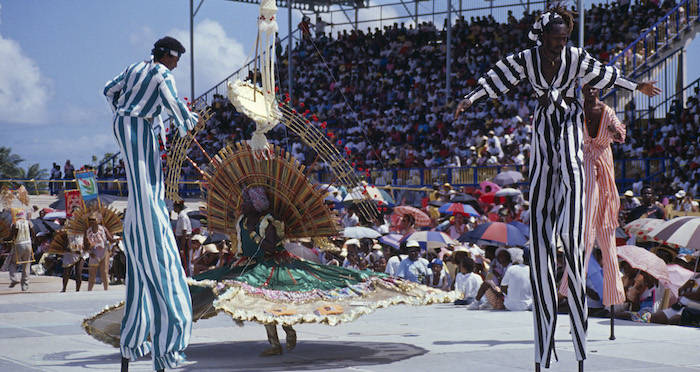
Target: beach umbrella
680, 231
39, 226
431, 239
454, 208
196, 215
498, 233
359, 232
508, 178
373, 192
641, 259
489, 187
216, 238
508, 191
677, 276
421, 218
302, 252
462, 198
436, 203
523, 228
392, 240
641, 228
55, 215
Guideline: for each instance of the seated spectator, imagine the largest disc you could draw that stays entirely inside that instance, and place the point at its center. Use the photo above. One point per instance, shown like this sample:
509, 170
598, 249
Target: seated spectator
643, 294
207, 259
392, 264
413, 268
516, 286
467, 282
686, 311
438, 276
489, 295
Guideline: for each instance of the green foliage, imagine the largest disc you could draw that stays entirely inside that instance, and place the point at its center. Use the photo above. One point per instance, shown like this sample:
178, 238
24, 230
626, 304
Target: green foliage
10, 168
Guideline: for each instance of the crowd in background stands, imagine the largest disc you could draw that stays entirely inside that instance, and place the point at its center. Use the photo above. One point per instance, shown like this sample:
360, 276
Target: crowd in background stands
380, 95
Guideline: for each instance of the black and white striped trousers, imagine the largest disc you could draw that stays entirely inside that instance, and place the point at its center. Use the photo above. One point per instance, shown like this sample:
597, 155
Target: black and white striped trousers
557, 200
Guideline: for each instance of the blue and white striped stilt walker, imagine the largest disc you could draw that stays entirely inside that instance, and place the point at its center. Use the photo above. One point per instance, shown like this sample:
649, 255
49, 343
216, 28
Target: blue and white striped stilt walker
158, 309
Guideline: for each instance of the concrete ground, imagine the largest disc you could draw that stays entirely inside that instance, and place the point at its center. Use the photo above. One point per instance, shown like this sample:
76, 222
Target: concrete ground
40, 331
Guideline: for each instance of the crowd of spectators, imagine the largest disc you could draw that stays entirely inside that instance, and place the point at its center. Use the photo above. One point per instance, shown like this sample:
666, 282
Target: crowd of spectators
380, 94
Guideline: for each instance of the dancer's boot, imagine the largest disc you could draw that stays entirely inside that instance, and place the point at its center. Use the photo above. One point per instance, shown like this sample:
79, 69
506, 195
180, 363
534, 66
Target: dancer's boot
276, 348
580, 366
291, 337
125, 364
537, 367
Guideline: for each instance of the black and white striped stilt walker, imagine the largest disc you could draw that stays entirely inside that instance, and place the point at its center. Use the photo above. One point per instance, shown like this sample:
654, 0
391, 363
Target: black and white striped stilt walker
556, 174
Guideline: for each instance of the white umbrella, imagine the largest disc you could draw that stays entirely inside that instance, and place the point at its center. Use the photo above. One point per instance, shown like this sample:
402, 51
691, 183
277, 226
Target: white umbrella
681, 231
359, 232
508, 178
508, 191
372, 192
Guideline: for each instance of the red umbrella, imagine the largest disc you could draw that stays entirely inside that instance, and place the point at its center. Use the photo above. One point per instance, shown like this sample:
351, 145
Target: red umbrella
643, 227
640, 258
459, 208
422, 219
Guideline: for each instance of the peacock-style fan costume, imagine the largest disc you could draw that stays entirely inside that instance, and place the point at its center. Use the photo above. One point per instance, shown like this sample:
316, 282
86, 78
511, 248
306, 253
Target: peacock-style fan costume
69, 239
277, 288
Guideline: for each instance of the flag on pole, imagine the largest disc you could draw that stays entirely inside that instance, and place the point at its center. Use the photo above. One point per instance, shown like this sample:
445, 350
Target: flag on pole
86, 184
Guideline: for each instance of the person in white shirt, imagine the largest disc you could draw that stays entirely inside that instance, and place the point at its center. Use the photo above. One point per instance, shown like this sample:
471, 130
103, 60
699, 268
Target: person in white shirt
183, 228
350, 219
413, 268
21, 254
392, 264
516, 284
467, 282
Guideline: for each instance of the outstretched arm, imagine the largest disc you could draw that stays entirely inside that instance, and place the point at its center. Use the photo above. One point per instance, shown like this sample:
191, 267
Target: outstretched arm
499, 80
600, 76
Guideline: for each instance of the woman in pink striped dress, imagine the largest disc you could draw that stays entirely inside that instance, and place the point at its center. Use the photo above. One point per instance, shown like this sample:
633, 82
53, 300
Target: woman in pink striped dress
601, 128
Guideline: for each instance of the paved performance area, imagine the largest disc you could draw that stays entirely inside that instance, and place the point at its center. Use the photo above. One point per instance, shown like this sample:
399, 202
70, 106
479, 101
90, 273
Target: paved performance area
40, 331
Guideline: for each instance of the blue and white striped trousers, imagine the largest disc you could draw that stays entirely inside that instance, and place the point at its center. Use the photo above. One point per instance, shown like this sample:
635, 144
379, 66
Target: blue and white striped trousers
158, 301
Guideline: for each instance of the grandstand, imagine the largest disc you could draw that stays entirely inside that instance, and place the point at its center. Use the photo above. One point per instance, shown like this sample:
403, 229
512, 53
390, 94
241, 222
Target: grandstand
379, 93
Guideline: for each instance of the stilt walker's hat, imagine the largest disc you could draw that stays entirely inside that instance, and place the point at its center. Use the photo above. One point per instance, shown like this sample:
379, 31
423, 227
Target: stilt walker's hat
170, 45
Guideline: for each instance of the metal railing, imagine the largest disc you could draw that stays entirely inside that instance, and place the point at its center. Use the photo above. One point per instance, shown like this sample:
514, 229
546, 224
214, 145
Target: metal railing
409, 11
658, 37
627, 171
640, 59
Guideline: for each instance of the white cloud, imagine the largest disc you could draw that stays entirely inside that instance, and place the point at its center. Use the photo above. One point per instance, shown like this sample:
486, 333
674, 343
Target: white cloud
216, 56
24, 92
73, 114
142, 38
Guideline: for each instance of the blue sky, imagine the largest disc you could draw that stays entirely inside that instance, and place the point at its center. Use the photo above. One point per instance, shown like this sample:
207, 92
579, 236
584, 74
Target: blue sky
55, 57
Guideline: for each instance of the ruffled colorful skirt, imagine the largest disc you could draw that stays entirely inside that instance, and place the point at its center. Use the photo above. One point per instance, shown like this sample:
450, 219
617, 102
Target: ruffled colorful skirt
285, 290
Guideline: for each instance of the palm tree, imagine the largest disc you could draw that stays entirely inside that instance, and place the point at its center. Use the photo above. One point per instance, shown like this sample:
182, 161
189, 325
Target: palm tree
9, 163
9, 168
33, 173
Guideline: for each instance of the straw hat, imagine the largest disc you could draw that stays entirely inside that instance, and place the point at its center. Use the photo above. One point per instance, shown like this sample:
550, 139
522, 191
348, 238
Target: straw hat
198, 238
210, 248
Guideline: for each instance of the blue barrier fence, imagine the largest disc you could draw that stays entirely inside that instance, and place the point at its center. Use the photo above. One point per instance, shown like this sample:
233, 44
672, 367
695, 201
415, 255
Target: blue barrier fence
627, 171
